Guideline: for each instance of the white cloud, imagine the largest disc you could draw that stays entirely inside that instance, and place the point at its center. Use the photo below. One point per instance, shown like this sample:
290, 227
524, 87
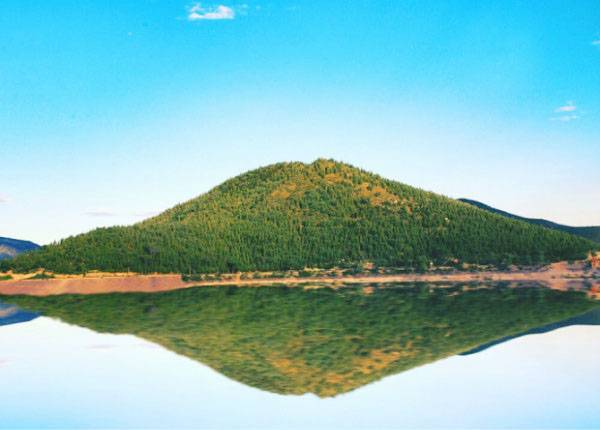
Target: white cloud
569, 107
197, 12
4, 198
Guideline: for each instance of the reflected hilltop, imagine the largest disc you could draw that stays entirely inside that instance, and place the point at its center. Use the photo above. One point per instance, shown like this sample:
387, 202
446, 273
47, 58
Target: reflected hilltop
323, 341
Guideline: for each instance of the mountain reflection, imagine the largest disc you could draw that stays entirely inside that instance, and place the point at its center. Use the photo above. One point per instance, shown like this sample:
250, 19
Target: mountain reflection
317, 340
10, 314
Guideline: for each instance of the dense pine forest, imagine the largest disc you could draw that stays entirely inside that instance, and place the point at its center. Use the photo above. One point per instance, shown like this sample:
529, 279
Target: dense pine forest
294, 215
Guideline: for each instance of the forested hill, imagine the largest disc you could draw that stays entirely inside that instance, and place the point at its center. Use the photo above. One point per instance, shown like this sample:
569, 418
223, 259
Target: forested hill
11, 247
591, 233
293, 215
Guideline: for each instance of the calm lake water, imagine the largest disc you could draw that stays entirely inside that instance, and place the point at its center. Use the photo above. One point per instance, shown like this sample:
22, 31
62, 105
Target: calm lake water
394, 357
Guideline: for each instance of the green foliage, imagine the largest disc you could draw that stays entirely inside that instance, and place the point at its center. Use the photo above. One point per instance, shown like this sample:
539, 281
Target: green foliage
5, 277
324, 341
295, 215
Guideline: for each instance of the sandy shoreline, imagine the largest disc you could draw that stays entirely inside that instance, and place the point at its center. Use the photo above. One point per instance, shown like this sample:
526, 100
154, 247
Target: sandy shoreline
556, 276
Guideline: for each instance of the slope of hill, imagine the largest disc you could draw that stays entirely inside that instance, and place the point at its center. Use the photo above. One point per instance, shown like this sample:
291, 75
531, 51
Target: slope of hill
324, 341
293, 215
11, 247
591, 233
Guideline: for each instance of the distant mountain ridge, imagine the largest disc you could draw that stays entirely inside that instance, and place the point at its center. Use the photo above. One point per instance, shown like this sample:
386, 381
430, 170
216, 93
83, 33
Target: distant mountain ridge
591, 232
589, 318
11, 247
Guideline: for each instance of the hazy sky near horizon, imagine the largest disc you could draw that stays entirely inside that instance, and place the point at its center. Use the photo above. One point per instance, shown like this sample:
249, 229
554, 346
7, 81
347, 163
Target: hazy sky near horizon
113, 111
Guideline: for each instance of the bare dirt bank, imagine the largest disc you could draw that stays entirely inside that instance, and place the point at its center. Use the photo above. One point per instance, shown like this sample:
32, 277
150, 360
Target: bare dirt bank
557, 276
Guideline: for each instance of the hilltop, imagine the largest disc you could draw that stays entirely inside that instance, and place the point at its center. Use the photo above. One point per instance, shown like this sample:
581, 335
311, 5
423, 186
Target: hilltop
294, 215
590, 232
11, 247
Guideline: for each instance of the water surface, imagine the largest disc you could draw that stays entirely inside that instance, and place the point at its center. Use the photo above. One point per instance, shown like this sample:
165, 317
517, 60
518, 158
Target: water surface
293, 358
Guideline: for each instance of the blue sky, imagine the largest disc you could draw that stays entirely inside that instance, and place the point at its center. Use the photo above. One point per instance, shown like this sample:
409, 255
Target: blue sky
112, 111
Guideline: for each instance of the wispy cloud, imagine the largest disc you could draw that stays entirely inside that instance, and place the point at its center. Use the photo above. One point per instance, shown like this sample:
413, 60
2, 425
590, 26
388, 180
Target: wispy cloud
565, 118
145, 214
568, 107
596, 42
567, 111
101, 346
3, 198
197, 12
100, 213
103, 213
